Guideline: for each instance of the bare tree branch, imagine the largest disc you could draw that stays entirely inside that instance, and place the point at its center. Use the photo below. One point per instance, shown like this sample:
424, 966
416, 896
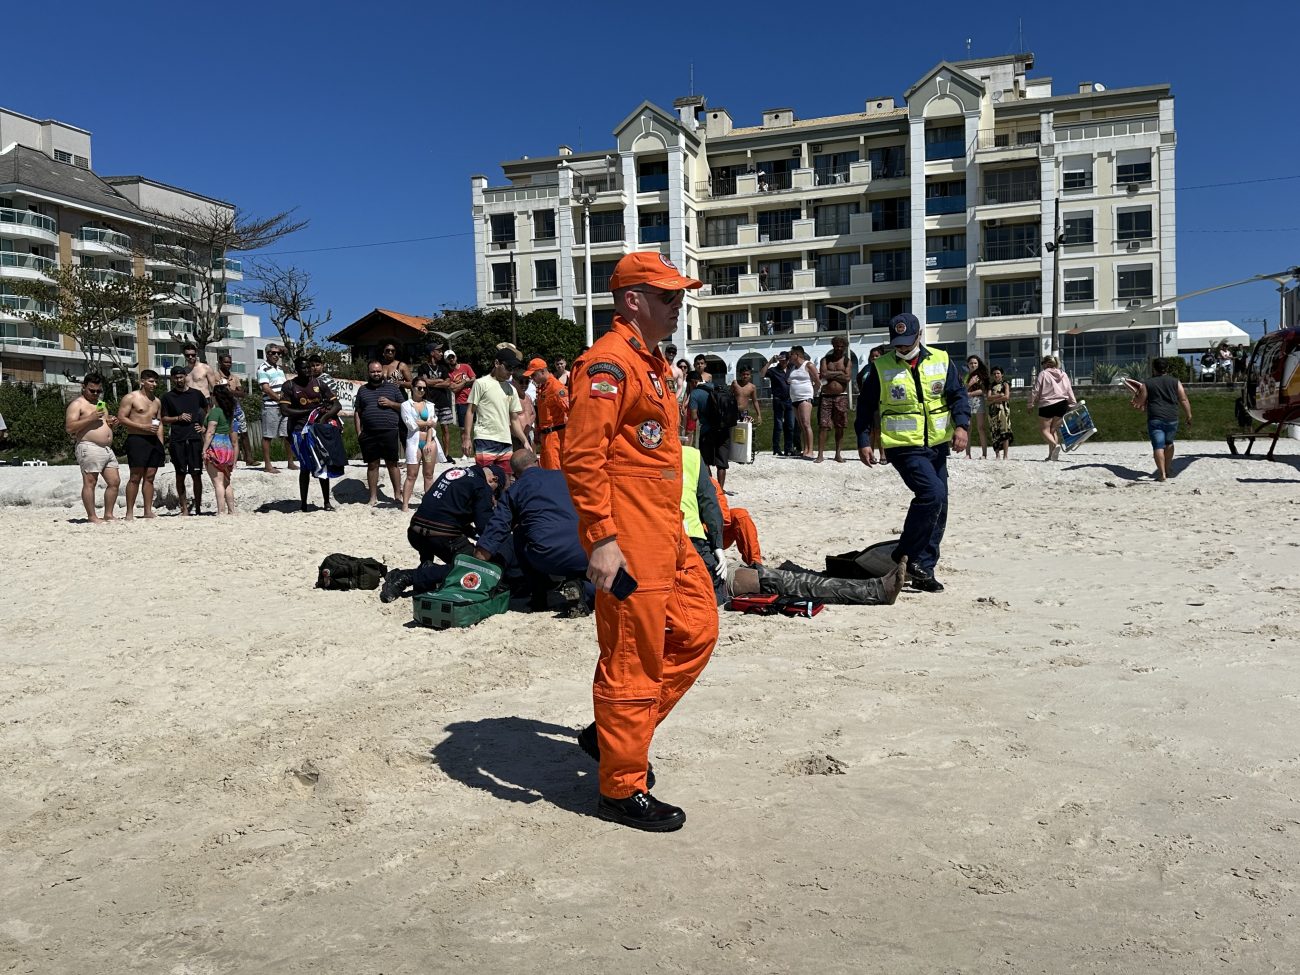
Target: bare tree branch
192, 266
286, 293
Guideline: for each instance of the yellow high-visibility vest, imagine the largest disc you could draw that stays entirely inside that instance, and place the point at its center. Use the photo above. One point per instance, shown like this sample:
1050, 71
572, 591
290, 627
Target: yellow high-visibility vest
905, 419
690, 499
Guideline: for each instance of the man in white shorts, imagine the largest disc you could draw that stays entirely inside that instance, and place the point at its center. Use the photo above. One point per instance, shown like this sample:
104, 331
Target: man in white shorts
90, 426
270, 378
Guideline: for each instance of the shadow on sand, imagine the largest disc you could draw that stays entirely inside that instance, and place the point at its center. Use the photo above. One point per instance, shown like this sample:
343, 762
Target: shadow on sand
520, 760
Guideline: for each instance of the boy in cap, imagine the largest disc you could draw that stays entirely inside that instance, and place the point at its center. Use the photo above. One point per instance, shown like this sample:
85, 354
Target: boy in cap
493, 421
922, 406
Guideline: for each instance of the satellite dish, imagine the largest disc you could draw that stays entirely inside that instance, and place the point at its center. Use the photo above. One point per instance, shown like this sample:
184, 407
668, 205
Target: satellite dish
1098, 86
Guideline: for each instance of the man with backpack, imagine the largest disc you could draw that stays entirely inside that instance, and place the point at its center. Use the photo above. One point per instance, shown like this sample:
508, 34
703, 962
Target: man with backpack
717, 416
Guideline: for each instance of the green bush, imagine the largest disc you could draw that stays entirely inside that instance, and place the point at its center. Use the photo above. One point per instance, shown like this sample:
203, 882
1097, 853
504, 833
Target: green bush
1137, 369
1178, 368
34, 415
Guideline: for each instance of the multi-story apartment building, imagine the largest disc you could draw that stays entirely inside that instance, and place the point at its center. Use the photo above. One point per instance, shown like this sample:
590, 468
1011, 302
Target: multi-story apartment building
940, 204
54, 209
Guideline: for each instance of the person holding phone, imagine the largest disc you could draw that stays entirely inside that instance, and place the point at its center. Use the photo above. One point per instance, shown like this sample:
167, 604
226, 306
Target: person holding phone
623, 464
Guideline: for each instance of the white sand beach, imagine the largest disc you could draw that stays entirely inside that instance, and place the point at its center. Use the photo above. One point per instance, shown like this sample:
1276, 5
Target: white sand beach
1082, 757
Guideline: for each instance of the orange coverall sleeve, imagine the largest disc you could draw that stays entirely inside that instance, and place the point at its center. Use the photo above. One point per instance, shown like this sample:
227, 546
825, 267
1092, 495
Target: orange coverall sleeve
593, 424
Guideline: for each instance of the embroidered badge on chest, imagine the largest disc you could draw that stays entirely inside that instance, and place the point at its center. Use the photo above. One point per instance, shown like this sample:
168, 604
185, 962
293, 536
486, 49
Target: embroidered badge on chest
898, 392
654, 378
936, 387
651, 434
455, 474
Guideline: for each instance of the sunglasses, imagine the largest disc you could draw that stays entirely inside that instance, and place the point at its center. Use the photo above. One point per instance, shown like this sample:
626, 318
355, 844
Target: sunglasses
419, 389
667, 297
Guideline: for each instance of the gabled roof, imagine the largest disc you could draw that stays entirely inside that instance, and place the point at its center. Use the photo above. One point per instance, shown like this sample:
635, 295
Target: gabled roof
669, 119
416, 324
22, 166
971, 84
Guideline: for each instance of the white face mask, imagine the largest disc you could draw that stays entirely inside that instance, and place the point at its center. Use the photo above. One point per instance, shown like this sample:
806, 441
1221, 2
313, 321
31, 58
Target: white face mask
911, 353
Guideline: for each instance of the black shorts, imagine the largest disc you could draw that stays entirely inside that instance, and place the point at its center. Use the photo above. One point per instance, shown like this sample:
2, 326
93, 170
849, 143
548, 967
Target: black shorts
144, 450
380, 445
187, 456
715, 449
1053, 411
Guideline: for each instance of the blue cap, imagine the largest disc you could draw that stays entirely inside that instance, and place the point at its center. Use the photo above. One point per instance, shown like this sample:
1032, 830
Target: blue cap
903, 329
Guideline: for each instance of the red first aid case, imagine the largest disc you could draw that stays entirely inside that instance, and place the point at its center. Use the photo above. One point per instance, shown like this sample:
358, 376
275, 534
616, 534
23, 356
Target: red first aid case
757, 603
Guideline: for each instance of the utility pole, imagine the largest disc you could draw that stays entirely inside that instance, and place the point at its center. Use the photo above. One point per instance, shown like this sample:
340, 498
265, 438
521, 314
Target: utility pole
1053, 247
514, 318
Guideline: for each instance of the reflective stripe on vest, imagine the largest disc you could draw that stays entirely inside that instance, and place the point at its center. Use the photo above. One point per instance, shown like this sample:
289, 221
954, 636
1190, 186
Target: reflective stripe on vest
906, 421
690, 499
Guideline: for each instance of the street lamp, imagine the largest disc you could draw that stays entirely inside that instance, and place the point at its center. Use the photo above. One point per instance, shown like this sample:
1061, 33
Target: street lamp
585, 198
848, 322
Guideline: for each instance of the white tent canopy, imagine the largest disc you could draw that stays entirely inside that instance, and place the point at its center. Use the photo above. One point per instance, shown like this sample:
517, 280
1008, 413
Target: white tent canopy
1199, 336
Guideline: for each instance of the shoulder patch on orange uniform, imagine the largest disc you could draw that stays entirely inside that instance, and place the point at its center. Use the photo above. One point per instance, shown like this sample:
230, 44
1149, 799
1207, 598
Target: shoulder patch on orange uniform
604, 390
612, 368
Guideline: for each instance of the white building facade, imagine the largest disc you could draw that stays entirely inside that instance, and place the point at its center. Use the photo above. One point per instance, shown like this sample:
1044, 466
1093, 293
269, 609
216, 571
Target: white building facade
940, 205
54, 210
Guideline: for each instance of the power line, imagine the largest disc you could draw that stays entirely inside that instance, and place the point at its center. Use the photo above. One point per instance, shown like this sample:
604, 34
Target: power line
374, 243
1239, 230
1239, 182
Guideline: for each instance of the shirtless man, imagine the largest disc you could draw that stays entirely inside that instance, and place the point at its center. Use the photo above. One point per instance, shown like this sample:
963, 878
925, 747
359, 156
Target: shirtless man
835, 372
239, 422
90, 426
202, 376
746, 394
140, 414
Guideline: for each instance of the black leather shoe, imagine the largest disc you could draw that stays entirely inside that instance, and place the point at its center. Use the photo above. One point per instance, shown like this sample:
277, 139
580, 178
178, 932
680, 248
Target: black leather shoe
395, 583
588, 742
924, 581
642, 811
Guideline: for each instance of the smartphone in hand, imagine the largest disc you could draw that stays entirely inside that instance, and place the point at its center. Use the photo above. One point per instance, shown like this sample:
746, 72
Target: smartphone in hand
624, 585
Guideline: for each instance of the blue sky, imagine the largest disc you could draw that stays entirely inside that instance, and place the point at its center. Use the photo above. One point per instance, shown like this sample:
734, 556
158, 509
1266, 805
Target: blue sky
370, 118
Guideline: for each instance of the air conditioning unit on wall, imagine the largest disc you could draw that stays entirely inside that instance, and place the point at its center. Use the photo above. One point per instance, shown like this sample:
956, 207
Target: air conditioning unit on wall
1134, 245
1135, 302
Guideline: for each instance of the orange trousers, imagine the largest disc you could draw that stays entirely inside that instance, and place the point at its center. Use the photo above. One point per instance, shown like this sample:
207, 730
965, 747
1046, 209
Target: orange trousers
738, 529
548, 455
653, 645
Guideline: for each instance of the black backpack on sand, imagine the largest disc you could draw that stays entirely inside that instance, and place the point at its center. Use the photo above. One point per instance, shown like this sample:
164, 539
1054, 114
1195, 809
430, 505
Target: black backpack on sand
350, 572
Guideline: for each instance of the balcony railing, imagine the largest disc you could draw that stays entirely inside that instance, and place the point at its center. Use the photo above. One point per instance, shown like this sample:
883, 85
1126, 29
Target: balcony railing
1002, 307
782, 230
935, 205
776, 282
168, 326
227, 264
654, 235
990, 140
945, 259
230, 299
1023, 192
25, 218
503, 243
947, 149
33, 262
652, 183
103, 275
771, 182
26, 341
601, 235
99, 235
1011, 250
945, 313
1106, 130
723, 286
19, 303
835, 176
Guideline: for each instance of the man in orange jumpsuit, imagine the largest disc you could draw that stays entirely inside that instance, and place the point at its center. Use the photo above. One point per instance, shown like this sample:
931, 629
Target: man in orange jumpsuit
552, 414
623, 463
738, 529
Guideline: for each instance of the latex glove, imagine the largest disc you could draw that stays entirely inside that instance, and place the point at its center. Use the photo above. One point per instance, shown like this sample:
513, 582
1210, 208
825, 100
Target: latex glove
721, 569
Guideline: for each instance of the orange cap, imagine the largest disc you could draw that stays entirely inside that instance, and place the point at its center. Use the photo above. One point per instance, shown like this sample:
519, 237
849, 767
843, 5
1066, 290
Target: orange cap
534, 365
652, 268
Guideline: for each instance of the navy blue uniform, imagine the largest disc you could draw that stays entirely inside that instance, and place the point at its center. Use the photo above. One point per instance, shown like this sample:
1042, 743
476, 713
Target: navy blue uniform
923, 469
538, 511
455, 510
